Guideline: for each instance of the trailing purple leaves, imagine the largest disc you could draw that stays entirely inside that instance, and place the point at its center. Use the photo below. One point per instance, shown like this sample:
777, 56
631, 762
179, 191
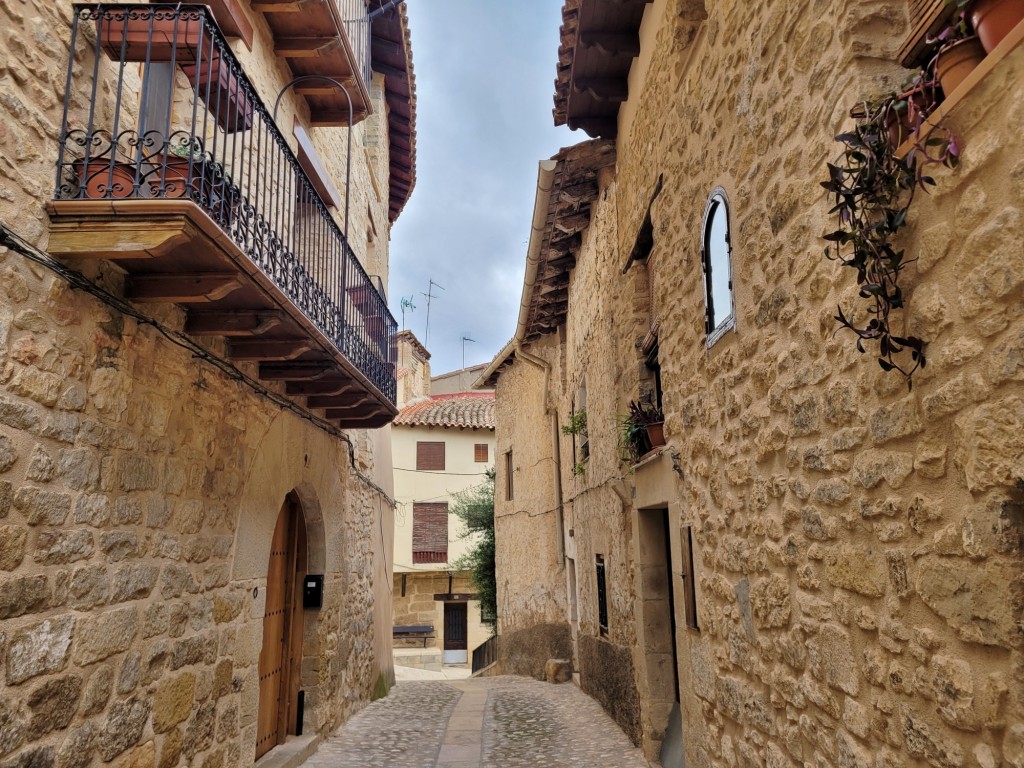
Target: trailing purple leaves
871, 187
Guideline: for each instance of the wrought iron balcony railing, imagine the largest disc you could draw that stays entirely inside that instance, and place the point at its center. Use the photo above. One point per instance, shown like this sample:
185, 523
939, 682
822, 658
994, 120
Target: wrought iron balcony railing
158, 108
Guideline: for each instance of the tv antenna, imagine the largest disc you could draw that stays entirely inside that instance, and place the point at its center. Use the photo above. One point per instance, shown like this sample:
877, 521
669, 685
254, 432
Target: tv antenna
464, 340
430, 295
405, 304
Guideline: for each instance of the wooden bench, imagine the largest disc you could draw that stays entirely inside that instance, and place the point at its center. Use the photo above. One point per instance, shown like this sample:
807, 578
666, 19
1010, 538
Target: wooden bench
414, 631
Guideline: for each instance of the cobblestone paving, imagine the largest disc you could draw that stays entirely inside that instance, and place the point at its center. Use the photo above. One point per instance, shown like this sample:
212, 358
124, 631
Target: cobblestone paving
528, 723
403, 730
500, 722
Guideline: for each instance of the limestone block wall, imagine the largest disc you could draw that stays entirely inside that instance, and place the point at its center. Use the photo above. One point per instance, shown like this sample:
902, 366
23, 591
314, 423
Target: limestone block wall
528, 561
138, 494
858, 545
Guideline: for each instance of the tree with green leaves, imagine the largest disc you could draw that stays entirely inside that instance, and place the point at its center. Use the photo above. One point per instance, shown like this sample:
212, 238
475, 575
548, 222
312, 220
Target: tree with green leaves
475, 508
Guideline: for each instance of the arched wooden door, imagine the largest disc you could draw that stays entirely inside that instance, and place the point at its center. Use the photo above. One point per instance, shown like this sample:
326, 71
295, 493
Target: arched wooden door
281, 653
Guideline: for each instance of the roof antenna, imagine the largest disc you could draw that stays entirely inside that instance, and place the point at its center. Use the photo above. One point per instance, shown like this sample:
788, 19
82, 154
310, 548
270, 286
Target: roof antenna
406, 303
464, 340
430, 295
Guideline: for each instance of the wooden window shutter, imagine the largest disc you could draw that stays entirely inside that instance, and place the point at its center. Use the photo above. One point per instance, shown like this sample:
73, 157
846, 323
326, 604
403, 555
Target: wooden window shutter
430, 456
927, 18
430, 532
480, 452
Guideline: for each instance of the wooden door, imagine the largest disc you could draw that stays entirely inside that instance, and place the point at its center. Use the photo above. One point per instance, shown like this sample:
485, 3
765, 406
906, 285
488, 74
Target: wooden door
455, 633
281, 653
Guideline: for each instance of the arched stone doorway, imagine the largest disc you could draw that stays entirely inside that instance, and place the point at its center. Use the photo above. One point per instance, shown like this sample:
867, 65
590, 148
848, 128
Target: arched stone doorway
280, 662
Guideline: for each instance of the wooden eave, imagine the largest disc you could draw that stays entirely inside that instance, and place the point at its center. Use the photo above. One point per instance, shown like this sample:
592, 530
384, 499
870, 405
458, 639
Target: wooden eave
172, 252
599, 40
309, 35
574, 190
391, 55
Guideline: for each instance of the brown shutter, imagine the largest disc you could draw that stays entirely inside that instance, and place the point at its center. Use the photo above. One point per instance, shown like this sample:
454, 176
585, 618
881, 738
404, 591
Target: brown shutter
480, 452
430, 456
430, 532
927, 18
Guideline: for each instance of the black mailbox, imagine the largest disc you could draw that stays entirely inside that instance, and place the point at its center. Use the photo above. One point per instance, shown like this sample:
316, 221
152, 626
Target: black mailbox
313, 592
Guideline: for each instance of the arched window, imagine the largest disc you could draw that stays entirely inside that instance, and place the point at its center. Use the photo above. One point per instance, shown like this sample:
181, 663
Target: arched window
716, 258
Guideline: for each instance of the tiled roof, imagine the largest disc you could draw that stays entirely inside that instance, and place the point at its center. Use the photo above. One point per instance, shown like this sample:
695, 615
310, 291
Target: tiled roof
466, 410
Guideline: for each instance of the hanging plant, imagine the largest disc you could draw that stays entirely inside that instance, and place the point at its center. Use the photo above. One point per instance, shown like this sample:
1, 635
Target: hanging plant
871, 188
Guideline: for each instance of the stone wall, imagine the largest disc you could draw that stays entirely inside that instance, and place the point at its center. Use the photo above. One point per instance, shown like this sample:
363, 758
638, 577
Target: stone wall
858, 545
139, 488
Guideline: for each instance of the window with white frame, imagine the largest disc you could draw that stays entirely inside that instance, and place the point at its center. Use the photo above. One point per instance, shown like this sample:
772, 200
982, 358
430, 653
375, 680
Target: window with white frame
716, 259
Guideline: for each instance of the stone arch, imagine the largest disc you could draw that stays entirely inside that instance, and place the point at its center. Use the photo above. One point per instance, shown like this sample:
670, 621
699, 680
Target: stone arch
290, 458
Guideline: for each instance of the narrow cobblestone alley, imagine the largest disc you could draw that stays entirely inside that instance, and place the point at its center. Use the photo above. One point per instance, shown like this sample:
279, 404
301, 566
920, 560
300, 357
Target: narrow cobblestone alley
501, 722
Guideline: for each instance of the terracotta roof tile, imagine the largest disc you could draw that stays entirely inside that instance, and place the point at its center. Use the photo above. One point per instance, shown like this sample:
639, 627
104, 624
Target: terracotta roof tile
467, 410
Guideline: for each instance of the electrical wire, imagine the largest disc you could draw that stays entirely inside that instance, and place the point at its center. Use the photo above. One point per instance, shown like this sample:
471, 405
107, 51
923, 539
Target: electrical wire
22, 247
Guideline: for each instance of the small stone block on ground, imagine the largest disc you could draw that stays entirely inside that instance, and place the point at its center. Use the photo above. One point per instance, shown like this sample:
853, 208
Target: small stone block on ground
558, 670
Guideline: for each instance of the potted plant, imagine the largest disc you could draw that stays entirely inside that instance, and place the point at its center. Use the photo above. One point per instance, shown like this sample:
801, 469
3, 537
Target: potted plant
871, 188
217, 85
959, 52
993, 19
154, 33
170, 175
100, 178
645, 414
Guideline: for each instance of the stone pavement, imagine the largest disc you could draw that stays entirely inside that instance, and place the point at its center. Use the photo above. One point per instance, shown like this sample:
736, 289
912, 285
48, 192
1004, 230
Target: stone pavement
498, 722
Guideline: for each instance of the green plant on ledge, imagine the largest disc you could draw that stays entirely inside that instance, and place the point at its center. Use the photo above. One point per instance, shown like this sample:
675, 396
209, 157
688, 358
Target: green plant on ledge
579, 468
871, 188
577, 423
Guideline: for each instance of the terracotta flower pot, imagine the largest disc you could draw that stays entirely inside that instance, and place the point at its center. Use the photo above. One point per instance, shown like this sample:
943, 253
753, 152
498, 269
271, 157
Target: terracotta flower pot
993, 19
656, 433
100, 181
158, 36
902, 124
955, 62
219, 88
174, 180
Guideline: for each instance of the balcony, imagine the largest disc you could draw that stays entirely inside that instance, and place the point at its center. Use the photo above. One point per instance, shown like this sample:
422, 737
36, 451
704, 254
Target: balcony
171, 167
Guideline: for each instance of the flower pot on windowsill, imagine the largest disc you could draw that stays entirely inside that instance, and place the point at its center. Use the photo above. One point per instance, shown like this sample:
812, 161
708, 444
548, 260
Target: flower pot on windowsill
993, 19
150, 35
220, 90
101, 181
956, 61
656, 434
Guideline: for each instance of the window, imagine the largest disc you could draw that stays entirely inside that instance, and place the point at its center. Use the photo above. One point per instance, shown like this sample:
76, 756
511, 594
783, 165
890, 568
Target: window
602, 598
689, 576
430, 532
480, 452
508, 476
430, 456
716, 257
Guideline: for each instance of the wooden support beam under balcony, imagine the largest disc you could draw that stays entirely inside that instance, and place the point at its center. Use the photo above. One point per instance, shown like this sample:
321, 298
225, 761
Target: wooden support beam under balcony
282, 6
297, 371
321, 40
269, 349
324, 386
301, 47
231, 322
181, 288
350, 400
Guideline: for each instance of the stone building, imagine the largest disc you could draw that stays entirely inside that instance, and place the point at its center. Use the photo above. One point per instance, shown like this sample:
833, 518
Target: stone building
196, 374
443, 444
821, 566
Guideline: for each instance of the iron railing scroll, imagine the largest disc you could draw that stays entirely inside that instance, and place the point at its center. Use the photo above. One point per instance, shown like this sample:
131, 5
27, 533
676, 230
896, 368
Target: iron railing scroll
157, 106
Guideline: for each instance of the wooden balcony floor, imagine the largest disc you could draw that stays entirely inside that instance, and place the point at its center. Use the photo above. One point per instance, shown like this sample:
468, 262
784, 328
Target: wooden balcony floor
172, 252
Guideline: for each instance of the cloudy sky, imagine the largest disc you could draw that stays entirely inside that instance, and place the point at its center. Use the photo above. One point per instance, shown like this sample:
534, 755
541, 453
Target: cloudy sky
484, 79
